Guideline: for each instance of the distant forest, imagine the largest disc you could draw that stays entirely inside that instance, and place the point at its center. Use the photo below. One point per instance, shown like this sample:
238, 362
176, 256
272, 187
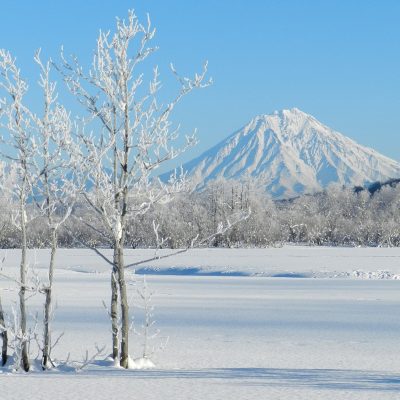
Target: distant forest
335, 217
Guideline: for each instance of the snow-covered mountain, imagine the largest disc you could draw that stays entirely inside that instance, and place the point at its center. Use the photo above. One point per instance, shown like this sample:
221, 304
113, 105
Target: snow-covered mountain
290, 152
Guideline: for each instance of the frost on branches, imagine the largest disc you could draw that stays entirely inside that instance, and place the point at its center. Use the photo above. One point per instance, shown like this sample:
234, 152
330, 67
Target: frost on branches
136, 137
98, 172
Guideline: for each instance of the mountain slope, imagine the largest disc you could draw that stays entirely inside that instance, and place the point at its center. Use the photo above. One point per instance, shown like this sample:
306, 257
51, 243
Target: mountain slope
290, 152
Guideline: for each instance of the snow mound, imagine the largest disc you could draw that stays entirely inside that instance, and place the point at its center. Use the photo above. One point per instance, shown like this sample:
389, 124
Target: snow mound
375, 275
144, 363
140, 363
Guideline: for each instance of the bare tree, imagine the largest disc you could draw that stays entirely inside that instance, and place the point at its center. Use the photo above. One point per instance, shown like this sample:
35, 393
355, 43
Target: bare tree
136, 138
148, 330
18, 125
57, 182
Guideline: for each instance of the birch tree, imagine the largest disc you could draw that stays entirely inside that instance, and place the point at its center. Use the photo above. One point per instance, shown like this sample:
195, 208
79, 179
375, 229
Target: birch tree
57, 181
3, 329
136, 137
17, 122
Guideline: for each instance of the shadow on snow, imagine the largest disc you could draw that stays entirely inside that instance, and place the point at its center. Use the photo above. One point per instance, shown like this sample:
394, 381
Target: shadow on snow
329, 379
186, 271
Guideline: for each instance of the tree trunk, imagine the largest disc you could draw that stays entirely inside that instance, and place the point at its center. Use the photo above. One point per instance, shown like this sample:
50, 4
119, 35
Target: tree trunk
4, 337
114, 307
48, 304
22, 307
114, 273
124, 361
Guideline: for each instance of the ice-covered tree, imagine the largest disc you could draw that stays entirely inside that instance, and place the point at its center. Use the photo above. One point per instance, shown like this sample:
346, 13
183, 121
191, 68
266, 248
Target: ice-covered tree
57, 183
18, 126
135, 136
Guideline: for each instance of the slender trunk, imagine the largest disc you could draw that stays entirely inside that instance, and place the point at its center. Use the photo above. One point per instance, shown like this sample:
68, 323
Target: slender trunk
48, 304
22, 306
114, 307
4, 337
124, 308
114, 272
121, 239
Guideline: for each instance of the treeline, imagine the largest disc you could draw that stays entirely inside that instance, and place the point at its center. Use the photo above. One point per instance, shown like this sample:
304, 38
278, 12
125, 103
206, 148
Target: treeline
337, 217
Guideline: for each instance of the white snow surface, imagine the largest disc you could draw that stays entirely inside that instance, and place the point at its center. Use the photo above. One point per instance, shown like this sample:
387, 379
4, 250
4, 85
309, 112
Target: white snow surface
278, 262
291, 152
331, 335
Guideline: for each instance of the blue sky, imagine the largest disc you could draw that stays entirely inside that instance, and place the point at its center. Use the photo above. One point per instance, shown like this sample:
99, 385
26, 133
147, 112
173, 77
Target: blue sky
337, 60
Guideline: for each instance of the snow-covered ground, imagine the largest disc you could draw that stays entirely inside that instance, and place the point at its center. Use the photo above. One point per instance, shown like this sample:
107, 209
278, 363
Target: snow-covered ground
242, 337
287, 261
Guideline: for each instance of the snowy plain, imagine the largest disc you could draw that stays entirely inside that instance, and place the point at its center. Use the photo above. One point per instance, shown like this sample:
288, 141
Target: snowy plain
279, 323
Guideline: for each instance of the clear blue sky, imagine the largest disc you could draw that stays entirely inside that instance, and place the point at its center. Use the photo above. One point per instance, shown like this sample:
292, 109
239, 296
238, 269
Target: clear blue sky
338, 60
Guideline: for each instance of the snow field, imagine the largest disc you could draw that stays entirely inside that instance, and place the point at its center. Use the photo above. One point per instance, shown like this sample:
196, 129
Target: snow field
232, 336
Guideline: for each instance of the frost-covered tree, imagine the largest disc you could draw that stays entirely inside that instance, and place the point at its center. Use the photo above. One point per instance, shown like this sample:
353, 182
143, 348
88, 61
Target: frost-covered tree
57, 181
17, 124
135, 137
39, 151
